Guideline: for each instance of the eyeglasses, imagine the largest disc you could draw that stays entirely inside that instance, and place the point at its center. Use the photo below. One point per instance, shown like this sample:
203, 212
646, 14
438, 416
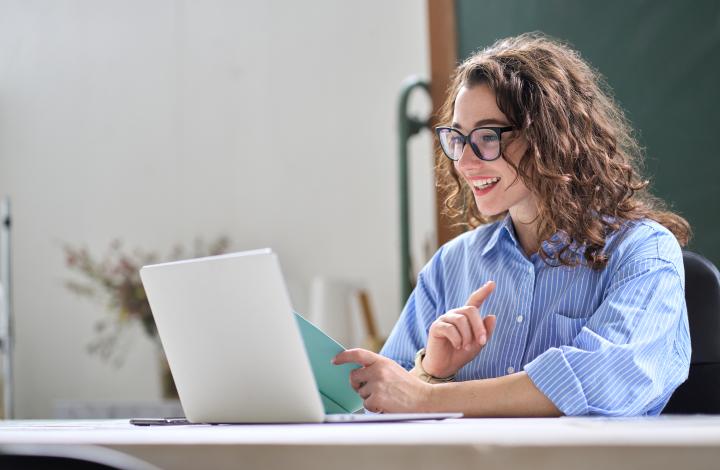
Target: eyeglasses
484, 141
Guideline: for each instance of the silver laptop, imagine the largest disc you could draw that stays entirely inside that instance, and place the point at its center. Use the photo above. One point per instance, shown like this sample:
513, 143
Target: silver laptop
233, 344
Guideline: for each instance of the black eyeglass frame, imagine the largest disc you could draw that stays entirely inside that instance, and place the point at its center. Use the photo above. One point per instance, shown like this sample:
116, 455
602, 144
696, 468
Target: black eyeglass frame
466, 140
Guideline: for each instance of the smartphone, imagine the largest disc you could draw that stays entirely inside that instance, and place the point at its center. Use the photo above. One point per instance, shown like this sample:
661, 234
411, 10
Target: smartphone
159, 421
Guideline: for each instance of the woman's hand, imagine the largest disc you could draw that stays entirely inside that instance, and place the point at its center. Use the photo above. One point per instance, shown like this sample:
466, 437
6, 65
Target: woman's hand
457, 336
383, 385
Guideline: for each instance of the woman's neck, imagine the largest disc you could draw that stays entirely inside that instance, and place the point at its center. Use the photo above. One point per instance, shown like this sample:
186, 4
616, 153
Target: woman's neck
525, 224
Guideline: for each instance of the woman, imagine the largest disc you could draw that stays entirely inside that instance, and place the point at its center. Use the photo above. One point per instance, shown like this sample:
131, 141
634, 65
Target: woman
567, 297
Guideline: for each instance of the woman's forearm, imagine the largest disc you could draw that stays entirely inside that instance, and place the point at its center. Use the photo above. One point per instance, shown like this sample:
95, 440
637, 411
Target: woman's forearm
511, 395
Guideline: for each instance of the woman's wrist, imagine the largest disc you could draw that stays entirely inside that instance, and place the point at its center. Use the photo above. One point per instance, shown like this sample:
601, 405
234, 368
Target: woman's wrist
438, 373
428, 376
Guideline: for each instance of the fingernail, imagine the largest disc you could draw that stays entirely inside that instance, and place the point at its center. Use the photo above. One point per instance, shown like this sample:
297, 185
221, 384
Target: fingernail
483, 338
467, 347
332, 361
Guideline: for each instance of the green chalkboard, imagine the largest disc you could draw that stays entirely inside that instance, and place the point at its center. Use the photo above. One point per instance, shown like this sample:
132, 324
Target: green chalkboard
662, 59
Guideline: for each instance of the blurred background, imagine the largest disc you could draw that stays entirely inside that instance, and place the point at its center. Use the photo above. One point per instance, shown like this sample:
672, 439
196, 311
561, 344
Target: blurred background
153, 125
272, 123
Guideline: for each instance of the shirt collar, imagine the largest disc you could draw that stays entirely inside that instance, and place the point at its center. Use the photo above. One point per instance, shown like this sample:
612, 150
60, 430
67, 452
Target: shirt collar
551, 246
504, 227
559, 241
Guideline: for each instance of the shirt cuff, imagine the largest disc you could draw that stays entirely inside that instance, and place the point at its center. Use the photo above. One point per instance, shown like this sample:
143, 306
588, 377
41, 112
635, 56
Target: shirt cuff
552, 375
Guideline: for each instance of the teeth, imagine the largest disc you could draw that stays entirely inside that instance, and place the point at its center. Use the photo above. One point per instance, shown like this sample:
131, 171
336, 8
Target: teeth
480, 184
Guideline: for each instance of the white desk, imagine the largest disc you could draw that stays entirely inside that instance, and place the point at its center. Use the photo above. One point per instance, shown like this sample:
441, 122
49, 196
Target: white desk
538, 444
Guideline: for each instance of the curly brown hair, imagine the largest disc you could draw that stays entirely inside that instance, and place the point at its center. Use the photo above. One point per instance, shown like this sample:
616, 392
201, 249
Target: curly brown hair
583, 162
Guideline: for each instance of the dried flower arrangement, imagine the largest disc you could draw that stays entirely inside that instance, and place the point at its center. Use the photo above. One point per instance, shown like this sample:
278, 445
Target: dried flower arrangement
115, 279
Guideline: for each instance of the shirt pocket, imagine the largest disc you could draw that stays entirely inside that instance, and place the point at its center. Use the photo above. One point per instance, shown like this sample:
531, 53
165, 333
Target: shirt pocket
562, 330
577, 294
577, 305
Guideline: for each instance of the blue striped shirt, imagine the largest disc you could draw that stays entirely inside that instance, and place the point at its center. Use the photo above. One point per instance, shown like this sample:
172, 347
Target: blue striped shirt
613, 342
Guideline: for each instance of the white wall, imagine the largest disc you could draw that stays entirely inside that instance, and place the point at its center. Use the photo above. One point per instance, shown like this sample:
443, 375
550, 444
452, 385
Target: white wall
161, 121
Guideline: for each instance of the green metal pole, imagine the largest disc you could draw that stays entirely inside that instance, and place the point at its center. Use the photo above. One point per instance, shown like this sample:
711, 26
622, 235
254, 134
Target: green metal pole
408, 126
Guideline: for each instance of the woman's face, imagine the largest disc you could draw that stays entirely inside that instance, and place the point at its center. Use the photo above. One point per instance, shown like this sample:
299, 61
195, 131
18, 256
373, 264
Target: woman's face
476, 107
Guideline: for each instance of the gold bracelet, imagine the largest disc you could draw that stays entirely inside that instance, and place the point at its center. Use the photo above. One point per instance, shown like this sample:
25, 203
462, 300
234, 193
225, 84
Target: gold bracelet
421, 374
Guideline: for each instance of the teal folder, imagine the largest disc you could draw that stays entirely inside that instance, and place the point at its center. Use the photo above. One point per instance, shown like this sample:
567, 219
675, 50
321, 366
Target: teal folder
333, 382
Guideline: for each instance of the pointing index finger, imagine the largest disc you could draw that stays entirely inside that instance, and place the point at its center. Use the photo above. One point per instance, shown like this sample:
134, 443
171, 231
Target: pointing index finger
478, 297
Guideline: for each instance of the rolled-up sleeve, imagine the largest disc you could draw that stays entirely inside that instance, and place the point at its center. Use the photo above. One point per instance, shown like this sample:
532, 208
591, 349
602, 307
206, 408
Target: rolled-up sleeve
634, 350
411, 331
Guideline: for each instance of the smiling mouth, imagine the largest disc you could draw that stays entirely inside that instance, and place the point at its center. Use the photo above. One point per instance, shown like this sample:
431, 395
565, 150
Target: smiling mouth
485, 183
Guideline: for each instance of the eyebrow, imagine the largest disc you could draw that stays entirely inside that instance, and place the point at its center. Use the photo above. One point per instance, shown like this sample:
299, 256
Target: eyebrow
482, 122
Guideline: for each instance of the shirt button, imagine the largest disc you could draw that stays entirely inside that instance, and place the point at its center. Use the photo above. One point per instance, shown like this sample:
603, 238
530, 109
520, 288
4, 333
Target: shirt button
510, 370
531, 270
519, 318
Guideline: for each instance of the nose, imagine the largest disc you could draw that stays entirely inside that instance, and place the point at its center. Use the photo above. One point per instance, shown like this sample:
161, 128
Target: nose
468, 159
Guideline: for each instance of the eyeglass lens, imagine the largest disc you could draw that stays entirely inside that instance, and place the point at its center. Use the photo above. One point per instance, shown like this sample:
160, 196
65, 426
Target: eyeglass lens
484, 142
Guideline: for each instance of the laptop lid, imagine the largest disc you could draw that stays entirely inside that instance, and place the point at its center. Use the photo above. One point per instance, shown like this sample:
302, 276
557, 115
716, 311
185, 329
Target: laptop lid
231, 340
